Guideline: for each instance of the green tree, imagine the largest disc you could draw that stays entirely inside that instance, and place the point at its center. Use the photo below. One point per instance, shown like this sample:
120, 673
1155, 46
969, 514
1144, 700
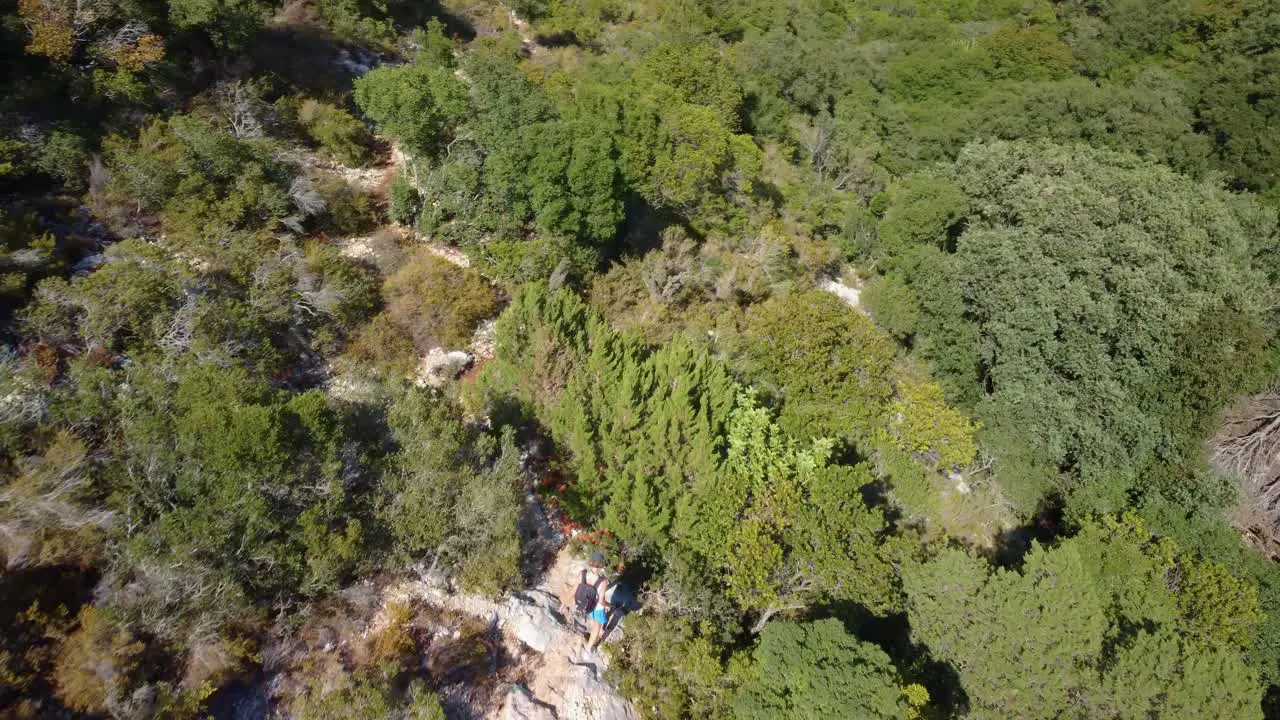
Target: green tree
674, 457
699, 75
819, 669
699, 163
924, 208
125, 303
669, 670
339, 134
213, 191
1239, 96
1039, 641
831, 366
417, 103
922, 425
1075, 278
786, 528
229, 23
452, 496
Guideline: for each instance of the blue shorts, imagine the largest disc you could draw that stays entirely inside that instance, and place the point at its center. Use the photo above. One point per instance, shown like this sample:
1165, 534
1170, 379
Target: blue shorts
599, 615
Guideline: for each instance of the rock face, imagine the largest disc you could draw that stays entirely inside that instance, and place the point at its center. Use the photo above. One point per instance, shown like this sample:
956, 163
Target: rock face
850, 295
439, 366
584, 696
564, 682
534, 618
484, 341
521, 705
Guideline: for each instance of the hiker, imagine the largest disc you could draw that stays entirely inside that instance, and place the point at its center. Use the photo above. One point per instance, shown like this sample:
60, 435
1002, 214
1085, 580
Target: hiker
591, 599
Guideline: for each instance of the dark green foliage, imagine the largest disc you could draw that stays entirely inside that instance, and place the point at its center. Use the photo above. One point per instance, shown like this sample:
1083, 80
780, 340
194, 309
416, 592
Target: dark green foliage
893, 304
205, 184
1081, 276
1202, 531
923, 211
819, 669
674, 459
574, 184
641, 428
226, 469
699, 76
1240, 97
125, 302
670, 671
63, 156
404, 202
454, 497
209, 440
1027, 53
416, 103
228, 22
785, 527
832, 367
1038, 642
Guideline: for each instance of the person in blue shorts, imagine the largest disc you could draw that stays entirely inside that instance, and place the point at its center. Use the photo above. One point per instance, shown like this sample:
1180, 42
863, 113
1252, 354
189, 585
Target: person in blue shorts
599, 615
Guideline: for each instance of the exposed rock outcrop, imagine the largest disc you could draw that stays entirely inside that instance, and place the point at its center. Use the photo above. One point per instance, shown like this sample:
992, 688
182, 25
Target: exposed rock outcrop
522, 705
439, 366
563, 681
849, 294
484, 341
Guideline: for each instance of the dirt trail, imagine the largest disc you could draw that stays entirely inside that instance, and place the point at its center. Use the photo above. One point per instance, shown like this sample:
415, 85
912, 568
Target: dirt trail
527, 38
377, 181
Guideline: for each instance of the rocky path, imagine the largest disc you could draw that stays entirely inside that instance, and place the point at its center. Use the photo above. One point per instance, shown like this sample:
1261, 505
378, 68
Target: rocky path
850, 294
565, 682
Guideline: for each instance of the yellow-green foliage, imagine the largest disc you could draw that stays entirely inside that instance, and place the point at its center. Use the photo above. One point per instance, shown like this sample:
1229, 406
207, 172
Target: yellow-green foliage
341, 135
922, 424
46, 509
438, 303
837, 375
831, 366
96, 663
383, 345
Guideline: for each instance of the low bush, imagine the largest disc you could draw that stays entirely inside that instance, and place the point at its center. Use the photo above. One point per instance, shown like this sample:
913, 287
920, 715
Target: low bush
339, 134
404, 203
438, 303
384, 346
348, 210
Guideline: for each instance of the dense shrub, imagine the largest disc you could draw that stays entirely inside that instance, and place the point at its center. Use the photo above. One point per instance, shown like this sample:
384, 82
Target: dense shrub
1076, 287
404, 202
810, 669
338, 133
831, 366
437, 302
348, 210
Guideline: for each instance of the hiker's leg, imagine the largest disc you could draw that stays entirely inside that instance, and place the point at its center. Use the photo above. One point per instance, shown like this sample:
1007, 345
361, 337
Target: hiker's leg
596, 631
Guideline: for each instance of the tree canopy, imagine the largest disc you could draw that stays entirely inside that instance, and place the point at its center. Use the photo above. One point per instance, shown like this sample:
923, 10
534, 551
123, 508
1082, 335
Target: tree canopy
908, 359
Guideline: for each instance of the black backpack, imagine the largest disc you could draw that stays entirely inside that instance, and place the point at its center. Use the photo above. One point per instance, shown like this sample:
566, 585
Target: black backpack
585, 597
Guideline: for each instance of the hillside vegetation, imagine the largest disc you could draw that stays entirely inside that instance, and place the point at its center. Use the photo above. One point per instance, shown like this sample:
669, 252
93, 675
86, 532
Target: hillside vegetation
879, 347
